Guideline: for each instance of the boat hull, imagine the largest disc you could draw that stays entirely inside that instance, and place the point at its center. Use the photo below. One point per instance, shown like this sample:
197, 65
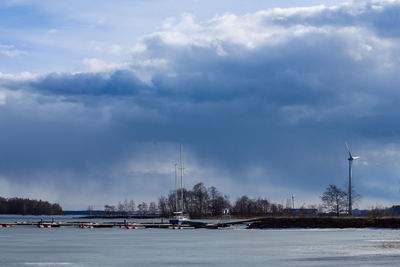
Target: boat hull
178, 221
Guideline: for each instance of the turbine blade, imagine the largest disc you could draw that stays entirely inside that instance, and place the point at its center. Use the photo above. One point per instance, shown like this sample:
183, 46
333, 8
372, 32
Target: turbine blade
356, 157
348, 150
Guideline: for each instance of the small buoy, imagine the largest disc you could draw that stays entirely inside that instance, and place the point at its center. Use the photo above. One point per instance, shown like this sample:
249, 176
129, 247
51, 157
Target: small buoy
122, 226
181, 227
41, 226
135, 227
48, 226
1, 225
129, 227
8, 226
91, 227
175, 227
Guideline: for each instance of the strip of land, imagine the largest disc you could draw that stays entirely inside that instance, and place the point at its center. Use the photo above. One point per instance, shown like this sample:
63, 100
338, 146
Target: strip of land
324, 222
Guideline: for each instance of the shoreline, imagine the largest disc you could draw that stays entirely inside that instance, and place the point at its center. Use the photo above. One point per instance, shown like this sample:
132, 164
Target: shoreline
325, 223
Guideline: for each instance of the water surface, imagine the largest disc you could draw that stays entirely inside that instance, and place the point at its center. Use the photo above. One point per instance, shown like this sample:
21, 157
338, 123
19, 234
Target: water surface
70, 246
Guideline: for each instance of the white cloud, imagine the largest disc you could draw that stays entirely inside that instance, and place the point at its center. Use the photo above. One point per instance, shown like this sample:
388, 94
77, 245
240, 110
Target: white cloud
98, 65
23, 76
139, 47
11, 51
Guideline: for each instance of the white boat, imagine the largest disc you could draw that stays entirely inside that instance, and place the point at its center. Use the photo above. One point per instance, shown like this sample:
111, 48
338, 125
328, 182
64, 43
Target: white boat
179, 216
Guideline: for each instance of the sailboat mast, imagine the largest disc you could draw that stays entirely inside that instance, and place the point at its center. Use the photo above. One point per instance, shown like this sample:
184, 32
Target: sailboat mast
181, 167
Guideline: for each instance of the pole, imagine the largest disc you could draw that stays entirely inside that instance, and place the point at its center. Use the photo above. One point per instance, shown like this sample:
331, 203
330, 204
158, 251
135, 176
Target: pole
350, 202
181, 165
176, 189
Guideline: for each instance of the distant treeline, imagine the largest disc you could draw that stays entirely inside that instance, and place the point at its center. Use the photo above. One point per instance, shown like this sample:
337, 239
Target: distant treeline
26, 206
202, 202
199, 202
209, 202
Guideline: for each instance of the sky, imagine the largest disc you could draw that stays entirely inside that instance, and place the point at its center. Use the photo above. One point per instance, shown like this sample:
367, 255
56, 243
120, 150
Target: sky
96, 96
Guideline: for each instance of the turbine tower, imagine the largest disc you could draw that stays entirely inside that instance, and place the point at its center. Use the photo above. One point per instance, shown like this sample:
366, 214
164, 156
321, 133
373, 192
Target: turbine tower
350, 159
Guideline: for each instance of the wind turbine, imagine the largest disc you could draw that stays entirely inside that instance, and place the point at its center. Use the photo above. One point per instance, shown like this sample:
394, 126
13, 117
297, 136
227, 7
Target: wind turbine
350, 159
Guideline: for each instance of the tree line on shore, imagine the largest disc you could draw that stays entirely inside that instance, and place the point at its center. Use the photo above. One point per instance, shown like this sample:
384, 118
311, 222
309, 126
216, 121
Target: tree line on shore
199, 202
203, 202
26, 206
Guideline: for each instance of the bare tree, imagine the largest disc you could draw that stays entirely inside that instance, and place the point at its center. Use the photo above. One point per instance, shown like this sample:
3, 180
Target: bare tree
109, 209
152, 208
121, 209
217, 202
163, 206
242, 206
200, 199
263, 206
142, 207
126, 206
113, 209
131, 206
334, 199
355, 197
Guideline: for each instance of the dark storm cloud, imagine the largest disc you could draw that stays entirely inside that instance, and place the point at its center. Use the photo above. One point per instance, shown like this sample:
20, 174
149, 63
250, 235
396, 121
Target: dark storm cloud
264, 101
117, 83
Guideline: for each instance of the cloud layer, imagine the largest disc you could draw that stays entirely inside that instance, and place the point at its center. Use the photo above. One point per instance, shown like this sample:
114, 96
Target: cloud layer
263, 104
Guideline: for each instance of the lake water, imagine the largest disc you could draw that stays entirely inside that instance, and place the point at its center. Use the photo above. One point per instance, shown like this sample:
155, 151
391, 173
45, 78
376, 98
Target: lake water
68, 246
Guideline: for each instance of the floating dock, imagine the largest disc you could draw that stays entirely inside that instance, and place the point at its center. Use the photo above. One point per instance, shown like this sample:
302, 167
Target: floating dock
124, 225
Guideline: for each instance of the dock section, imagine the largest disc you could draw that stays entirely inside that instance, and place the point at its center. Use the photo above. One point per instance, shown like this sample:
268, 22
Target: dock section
119, 224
